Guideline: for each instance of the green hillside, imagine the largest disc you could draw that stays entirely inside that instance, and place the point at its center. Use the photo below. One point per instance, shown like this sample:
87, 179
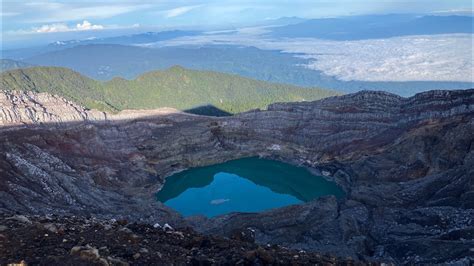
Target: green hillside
175, 87
59, 81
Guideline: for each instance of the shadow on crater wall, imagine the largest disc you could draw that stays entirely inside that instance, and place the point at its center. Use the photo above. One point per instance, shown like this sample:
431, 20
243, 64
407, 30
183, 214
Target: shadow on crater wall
208, 110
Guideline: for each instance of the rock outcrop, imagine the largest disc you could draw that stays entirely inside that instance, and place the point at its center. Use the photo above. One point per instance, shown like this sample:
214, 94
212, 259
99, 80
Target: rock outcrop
30, 108
405, 163
26, 107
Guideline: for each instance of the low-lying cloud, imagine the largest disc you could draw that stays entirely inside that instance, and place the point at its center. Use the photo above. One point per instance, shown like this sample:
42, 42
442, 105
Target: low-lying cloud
409, 58
414, 58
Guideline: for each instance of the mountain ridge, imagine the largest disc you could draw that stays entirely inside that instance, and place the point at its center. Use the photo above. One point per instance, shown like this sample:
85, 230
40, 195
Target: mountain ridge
375, 27
104, 61
175, 87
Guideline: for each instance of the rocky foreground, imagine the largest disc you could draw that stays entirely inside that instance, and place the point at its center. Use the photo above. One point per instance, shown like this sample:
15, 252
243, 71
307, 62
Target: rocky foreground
81, 241
406, 164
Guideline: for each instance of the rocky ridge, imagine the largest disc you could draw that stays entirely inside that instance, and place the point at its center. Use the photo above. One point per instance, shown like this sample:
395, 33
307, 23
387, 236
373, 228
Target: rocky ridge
406, 165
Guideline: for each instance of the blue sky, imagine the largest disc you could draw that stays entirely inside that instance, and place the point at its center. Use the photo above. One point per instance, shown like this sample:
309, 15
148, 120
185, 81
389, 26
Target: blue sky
48, 20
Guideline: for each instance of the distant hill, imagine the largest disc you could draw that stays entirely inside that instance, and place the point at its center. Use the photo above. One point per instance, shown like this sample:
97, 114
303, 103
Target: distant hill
132, 39
281, 21
103, 62
8, 64
375, 27
175, 87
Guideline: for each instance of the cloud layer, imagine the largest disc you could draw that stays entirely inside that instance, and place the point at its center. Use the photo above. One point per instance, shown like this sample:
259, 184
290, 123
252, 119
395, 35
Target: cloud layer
414, 58
411, 58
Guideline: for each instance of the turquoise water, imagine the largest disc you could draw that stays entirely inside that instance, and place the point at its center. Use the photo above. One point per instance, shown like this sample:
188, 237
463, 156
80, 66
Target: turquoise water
244, 185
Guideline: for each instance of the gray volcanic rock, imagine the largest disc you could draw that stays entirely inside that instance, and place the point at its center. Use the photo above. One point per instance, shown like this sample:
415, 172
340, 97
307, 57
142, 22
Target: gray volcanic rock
26, 107
405, 163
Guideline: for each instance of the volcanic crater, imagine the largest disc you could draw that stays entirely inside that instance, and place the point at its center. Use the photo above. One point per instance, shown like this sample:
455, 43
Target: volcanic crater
405, 164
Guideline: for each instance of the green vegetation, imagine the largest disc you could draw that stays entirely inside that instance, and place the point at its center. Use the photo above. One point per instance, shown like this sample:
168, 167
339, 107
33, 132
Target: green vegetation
59, 81
175, 87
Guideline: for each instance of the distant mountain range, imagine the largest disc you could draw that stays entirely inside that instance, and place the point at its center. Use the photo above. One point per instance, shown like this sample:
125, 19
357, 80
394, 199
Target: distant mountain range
106, 58
104, 62
341, 28
141, 38
107, 61
375, 27
282, 21
176, 87
133, 39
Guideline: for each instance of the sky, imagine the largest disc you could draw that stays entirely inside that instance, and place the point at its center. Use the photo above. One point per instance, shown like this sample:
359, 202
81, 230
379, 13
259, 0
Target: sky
48, 20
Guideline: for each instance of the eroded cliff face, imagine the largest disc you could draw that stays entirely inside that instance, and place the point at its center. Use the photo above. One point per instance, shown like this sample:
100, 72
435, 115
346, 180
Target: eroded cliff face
405, 163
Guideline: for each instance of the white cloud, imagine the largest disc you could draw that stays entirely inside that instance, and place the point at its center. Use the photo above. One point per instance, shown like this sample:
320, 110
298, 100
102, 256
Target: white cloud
63, 27
171, 13
86, 25
58, 27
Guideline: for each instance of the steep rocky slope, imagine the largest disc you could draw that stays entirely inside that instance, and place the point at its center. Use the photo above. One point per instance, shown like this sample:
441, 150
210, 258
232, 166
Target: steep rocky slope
405, 163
